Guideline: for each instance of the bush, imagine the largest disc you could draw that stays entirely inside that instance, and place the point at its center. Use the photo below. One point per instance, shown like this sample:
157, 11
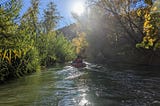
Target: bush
17, 63
55, 48
64, 49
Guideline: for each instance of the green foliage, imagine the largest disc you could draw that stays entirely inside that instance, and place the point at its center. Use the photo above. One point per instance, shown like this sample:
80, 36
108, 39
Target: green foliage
18, 56
55, 48
32, 60
23, 47
64, 49
46, 48
52, 47
17, 63
149, 2
4, 71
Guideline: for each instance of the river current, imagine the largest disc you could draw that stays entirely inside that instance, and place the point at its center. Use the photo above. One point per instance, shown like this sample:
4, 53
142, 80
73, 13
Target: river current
91, 86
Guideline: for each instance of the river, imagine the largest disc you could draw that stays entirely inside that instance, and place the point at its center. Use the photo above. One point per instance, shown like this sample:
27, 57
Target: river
91, 86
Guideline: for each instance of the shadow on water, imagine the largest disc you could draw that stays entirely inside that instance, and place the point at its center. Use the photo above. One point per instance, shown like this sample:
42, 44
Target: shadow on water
91, 86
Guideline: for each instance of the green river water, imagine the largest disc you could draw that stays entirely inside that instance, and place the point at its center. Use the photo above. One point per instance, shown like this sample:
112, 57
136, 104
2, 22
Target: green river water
90, 86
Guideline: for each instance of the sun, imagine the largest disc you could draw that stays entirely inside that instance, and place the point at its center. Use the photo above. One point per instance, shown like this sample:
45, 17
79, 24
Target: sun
78, 8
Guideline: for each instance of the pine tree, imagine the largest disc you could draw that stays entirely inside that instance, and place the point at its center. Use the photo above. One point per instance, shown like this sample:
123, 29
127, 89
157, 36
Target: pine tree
51, 17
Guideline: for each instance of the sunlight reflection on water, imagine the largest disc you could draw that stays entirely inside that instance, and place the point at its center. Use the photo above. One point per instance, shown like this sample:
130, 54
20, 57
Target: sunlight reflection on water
76, 96
83, 101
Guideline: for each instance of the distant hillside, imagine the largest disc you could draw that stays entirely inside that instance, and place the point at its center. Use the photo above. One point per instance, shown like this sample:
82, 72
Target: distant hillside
69, 31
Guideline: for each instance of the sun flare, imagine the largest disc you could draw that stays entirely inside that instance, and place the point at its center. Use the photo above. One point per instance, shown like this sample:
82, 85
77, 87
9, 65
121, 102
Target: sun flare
78, 8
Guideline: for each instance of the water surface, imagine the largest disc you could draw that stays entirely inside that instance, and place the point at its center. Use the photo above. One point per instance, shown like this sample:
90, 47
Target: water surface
91, 86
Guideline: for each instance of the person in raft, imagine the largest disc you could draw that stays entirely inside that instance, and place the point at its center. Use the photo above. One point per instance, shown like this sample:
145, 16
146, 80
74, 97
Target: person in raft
78, 59
78, 62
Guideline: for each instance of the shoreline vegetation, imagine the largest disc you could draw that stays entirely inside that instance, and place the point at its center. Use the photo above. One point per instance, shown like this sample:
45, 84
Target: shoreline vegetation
111, 32
30, 44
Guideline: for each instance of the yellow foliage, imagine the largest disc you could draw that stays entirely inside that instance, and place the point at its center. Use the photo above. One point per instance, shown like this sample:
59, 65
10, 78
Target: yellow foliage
139, 13
4, 54
148, 17
80, 42
150, 27
154, 9
146, 23
10, 54
150, 41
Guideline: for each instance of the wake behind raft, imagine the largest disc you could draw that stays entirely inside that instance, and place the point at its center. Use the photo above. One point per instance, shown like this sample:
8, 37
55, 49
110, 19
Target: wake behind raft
78, 63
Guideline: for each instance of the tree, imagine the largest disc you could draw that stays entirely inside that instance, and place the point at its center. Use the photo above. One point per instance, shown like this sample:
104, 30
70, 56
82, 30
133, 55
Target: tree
8, 30
55, 47
12, 51
51, 17
151, 39
29, 21
115, 24
21, 47
80, 43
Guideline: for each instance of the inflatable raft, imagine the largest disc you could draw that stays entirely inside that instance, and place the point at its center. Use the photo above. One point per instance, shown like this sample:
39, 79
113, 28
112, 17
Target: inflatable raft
78, 65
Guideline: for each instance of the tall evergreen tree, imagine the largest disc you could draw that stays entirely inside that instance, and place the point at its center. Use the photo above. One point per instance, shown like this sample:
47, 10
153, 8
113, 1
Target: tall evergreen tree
51, 17
29, 21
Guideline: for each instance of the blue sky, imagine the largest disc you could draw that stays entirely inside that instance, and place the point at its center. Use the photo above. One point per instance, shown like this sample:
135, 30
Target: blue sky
64, 7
